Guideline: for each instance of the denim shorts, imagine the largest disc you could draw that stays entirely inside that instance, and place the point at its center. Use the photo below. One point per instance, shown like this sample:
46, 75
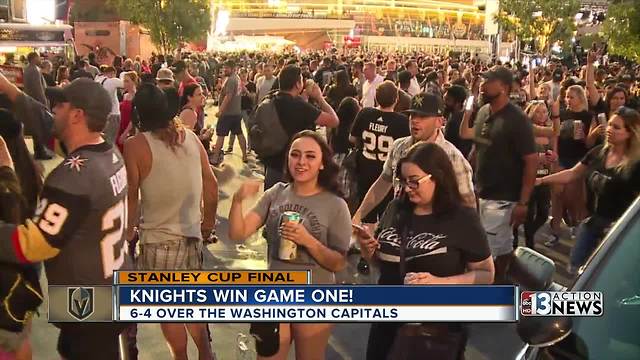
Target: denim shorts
496, 218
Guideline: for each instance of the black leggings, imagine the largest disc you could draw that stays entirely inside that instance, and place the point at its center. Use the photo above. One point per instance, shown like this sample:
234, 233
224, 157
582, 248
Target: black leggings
538, 213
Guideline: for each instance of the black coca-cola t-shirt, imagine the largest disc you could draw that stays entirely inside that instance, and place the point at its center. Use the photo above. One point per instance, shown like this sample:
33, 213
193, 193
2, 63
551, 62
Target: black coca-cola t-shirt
439, 244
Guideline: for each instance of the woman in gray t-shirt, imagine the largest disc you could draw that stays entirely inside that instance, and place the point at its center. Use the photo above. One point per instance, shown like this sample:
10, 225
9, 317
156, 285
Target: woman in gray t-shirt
322, 236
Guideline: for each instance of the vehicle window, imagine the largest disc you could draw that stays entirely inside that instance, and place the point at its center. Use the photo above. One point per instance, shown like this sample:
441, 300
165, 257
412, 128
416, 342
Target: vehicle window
614, 335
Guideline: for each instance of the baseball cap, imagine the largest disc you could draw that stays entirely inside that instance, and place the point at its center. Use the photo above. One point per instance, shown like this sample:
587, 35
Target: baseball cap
426, 104
85, 94
179, 66
164, 74
499, 73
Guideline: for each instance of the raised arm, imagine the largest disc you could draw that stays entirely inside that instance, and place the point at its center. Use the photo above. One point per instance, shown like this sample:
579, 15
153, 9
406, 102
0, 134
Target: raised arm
466, 132
328, 116
592, 91
8, 88
532, 82
242, 226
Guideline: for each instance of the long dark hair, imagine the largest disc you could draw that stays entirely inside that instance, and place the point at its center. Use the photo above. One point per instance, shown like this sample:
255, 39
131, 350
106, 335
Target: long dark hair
189, 90
30, 181
433, 160
611, 93
347, 112
153, 113
342, 79
327, 177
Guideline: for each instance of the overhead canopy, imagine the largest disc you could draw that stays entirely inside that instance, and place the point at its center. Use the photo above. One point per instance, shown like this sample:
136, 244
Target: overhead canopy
309, 40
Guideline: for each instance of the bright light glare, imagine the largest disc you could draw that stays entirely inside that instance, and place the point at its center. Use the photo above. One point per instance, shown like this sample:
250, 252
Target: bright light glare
222, 22
40, 12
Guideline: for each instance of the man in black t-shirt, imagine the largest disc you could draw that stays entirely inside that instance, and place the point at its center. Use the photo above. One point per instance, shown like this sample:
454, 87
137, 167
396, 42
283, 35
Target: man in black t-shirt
506, 164
374, 131
453, 101
323, 76
296, 115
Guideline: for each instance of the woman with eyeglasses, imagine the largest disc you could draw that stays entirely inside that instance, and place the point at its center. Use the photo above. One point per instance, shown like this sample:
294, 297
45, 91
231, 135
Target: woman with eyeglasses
443, 241
612, 171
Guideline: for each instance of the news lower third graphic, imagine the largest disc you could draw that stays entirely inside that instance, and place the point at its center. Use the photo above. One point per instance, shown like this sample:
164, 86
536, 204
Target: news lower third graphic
272, 296
561, 303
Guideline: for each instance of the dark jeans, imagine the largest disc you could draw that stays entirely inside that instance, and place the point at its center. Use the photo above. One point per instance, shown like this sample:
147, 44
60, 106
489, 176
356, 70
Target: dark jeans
272, 176
539, 205
590, 233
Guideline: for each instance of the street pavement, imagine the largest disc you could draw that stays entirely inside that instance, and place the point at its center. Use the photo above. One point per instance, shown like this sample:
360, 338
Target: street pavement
231, 341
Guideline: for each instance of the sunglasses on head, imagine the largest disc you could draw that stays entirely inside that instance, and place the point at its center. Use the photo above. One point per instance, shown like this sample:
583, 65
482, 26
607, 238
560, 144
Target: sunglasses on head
413, 184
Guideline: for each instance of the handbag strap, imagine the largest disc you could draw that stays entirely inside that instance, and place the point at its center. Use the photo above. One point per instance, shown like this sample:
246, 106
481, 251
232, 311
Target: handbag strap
404, 233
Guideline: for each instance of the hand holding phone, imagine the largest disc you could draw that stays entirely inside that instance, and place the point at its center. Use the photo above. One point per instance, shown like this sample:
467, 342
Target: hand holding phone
469, 104
359, 228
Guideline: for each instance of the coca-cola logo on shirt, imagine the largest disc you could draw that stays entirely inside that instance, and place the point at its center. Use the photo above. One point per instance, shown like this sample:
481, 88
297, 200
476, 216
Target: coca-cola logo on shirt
418, 245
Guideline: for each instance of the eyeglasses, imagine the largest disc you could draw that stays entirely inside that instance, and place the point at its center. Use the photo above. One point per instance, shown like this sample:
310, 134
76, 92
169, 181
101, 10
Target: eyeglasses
413, 184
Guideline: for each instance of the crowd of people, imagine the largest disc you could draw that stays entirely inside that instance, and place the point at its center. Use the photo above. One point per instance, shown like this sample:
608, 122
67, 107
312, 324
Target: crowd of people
427, 165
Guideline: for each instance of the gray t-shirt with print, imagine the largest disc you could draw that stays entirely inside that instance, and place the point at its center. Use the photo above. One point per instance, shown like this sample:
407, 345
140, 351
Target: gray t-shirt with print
324, 215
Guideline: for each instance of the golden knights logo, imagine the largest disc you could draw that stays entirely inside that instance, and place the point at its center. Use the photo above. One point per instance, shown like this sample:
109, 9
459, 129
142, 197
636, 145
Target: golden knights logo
80, 302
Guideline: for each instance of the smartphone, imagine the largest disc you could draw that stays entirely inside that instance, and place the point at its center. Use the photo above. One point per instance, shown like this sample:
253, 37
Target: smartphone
359, 228
602, 119
469, 105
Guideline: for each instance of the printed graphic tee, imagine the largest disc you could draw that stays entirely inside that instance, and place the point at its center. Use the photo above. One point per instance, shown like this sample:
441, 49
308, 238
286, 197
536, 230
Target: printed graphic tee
439, 244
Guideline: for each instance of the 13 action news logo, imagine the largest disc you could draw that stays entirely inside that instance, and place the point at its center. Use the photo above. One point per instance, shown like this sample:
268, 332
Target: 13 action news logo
563, 303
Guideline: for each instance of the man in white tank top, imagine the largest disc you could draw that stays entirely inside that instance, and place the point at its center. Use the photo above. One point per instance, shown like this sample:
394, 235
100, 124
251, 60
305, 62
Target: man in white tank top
169, 168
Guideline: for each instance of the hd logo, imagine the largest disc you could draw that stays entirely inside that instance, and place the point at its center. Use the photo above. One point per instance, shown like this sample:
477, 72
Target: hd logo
568, 303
